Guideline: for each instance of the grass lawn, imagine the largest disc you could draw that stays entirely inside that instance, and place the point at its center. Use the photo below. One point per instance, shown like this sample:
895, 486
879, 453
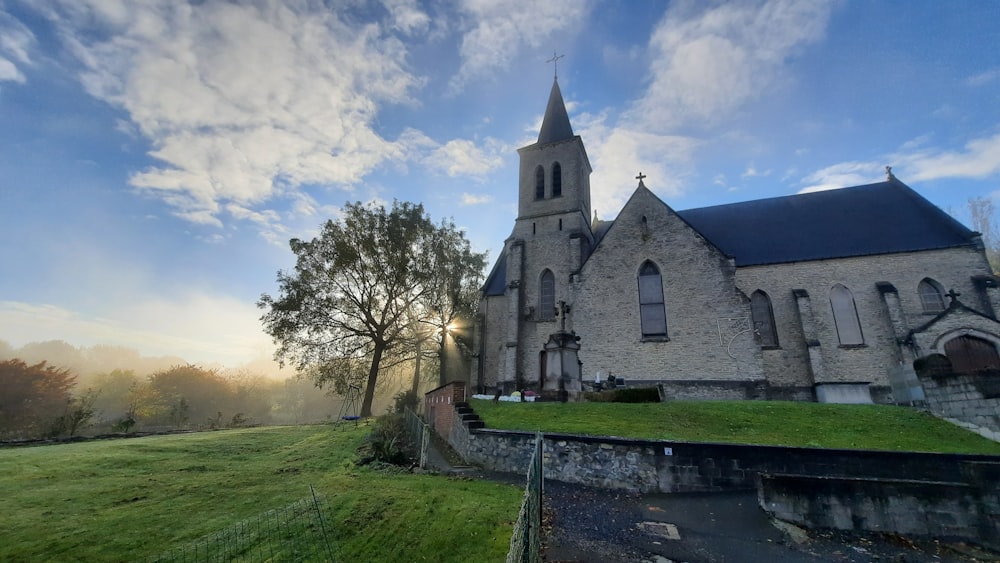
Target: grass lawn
124, 500
865, 427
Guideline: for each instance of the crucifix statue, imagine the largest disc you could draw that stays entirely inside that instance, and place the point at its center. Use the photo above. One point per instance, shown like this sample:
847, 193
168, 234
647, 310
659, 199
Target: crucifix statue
561, 311
640, 177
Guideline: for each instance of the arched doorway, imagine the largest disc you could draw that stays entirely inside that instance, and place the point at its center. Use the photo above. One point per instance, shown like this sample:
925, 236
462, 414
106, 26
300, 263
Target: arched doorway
971, 354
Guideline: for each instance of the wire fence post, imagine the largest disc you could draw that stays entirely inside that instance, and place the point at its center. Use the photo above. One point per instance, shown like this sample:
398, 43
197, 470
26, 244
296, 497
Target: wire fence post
526, 539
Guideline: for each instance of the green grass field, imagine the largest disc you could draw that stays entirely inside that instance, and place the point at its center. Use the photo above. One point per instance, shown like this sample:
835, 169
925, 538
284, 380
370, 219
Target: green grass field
865, 427
125, 500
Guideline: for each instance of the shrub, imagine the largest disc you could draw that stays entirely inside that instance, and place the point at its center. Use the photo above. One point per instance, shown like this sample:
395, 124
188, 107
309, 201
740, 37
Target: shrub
626, 395
387, 442
404, 400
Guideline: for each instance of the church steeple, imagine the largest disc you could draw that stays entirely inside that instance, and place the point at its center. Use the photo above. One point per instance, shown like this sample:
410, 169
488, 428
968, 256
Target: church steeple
555, 124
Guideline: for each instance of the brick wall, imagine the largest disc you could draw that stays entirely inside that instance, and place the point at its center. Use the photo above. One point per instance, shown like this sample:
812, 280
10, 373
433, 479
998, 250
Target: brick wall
439, 406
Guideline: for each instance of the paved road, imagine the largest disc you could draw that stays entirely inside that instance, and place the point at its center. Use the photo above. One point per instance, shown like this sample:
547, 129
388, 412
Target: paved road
594, 525
590, 525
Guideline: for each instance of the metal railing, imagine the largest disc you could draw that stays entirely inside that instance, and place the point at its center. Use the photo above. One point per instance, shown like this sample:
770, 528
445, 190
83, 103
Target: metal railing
526, 541
297, 532
420, 435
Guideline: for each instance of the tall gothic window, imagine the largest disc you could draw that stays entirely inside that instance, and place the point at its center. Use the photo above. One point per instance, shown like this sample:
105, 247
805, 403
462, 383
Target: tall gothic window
539, 182
931, 295
652, 313
556, 180
969, 354
547, 296
845, 316
763, 319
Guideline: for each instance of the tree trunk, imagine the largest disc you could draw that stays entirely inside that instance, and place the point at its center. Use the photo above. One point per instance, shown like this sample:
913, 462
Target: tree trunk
366, 405
416, 370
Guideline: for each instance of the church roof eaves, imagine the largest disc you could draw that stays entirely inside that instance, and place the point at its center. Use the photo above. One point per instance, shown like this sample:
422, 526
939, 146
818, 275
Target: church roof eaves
953, 307
882, 218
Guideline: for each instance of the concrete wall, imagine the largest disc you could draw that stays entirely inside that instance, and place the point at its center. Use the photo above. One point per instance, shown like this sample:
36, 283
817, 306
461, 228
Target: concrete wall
955, 509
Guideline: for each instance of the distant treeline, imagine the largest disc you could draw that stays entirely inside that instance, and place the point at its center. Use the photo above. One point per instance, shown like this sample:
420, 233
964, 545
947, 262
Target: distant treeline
41, 400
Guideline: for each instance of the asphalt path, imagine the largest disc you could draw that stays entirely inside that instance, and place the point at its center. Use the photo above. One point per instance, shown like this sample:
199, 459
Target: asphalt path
585, 525
590, 525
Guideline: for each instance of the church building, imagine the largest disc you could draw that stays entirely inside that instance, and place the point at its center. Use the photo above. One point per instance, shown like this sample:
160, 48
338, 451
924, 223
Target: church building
828, 296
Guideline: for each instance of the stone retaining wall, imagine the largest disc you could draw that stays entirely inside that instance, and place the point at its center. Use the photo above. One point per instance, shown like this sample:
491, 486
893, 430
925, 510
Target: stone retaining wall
671, 467
972, 398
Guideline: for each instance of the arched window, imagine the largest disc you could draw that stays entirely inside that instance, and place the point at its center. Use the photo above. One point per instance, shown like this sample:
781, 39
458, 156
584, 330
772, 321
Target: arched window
556, 180
547, 296
845, 316
652, 313
539, 182
970, 354
763, 319
931, 295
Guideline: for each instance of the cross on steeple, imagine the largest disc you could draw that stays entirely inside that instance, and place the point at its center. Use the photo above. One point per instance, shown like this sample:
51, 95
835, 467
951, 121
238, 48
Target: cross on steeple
640, 177
555, 60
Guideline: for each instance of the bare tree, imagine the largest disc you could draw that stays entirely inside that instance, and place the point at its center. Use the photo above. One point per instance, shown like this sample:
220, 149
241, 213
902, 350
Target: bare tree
983, 215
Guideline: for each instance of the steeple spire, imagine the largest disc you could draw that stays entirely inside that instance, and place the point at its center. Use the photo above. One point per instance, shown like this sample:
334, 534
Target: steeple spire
555, 124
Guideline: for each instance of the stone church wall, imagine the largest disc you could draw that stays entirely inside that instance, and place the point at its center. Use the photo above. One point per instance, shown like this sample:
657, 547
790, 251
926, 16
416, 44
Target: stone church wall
698, 290
494, 338
789, 365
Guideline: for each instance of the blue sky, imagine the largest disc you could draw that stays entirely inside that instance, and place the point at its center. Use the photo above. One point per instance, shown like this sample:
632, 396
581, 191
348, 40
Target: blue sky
156, 156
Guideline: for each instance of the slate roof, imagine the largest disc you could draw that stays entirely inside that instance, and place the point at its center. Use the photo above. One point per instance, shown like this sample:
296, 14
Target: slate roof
881, 218
555, 124
496, 281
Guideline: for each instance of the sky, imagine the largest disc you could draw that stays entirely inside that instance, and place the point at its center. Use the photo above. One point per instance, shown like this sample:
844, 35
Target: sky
156, 156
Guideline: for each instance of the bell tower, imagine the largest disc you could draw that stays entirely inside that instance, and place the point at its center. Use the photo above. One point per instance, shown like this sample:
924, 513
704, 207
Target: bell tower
549, 244
555, 172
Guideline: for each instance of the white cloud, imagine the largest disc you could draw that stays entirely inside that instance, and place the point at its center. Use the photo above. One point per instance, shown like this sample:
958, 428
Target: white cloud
619, 154
9, 72
407, 16
243, 103
16, 41
984, 77
914, 162
496, 32
979, 159
476, 199
461, 157
707, 62
752, 172
842, 175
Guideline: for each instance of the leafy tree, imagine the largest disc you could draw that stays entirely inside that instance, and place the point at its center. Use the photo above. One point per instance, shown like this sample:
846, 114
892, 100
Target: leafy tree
354, 289
190, 393
983, 215
77, 415
32, 396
